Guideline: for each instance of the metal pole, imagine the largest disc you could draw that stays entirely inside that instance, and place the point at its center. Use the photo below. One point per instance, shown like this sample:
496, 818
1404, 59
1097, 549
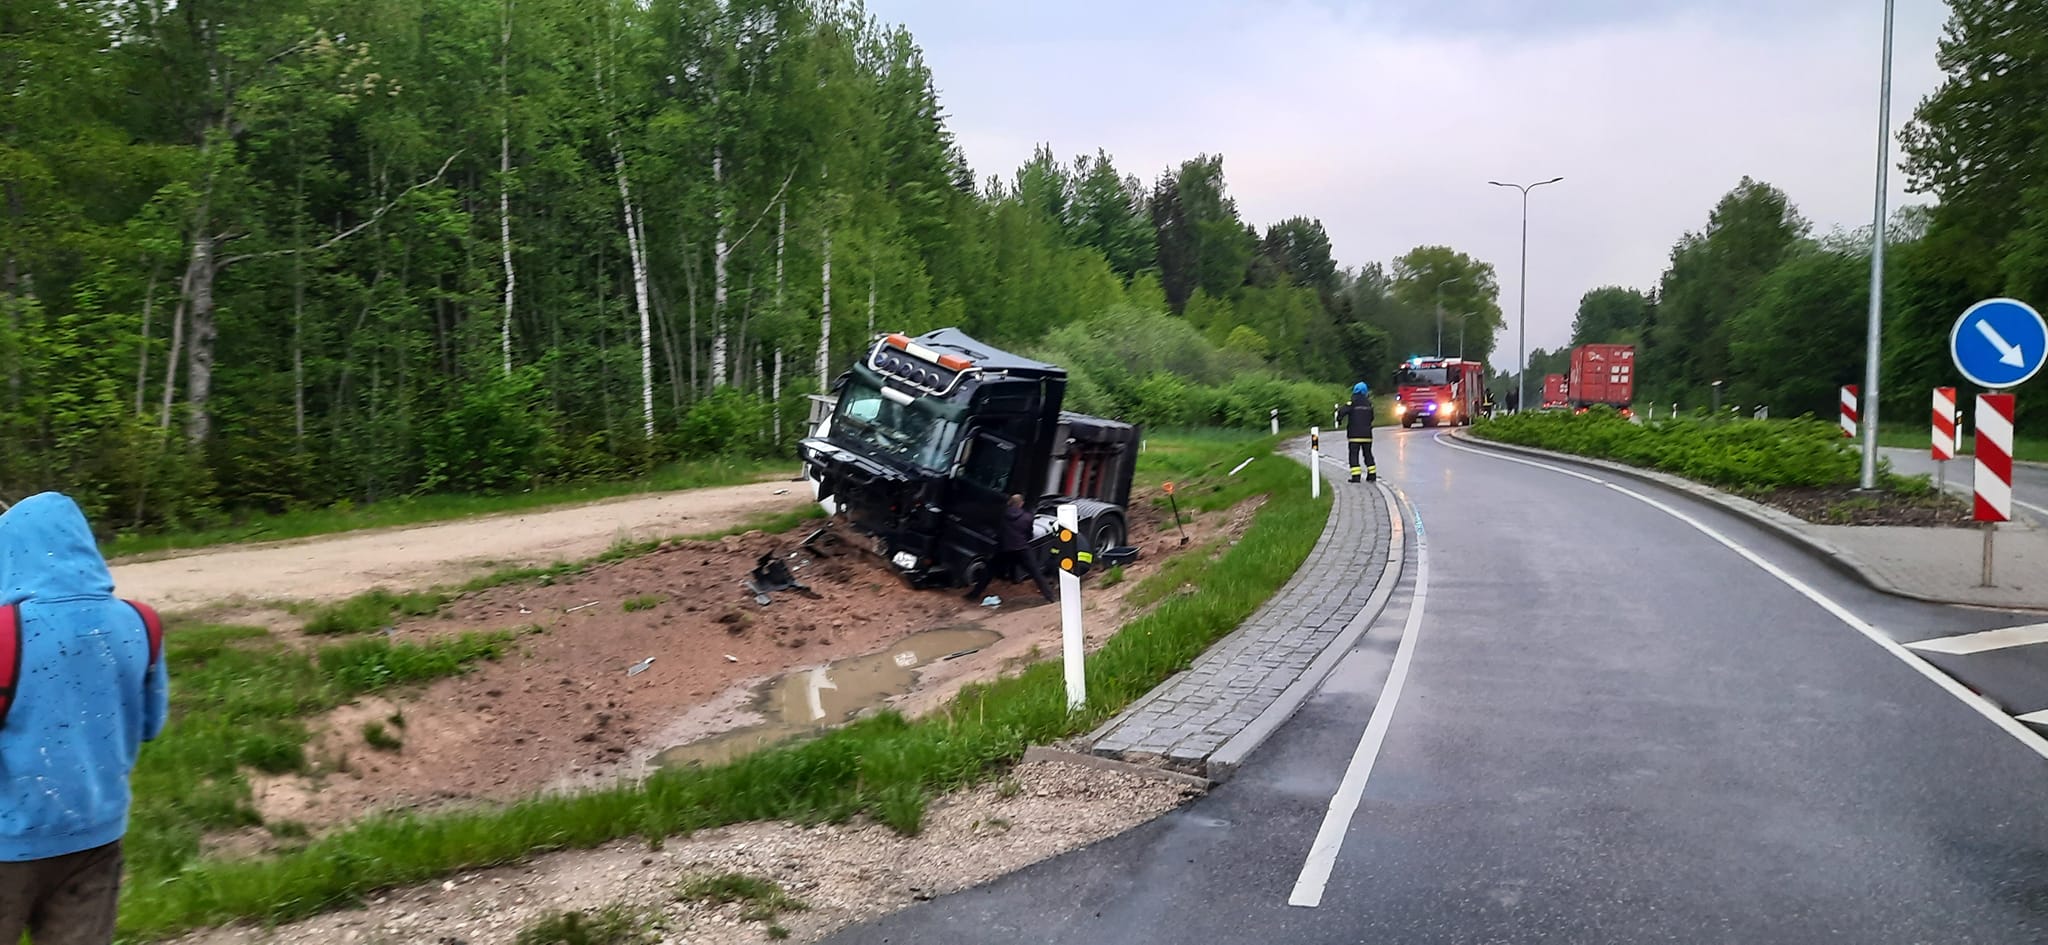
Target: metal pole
1522, 362
1870, 390
1522, 331
1990, 528
1440, 311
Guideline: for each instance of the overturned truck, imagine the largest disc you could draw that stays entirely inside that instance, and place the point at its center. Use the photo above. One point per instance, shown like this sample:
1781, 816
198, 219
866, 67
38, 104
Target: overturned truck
926, 438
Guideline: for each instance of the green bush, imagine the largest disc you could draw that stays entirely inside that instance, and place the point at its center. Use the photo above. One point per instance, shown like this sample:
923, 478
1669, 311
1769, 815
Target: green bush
727, 423
501, 436
1746, 455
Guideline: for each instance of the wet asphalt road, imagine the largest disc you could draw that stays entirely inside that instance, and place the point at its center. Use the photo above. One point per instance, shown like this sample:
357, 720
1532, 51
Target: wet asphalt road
1613, 729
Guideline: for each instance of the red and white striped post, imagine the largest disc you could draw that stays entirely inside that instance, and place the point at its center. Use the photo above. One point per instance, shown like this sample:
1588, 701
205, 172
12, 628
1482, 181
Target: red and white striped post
1944, 434
1849, 412
1994, 467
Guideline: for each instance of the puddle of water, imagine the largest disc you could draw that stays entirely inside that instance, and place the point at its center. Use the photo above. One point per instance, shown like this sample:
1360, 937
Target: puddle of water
810, 700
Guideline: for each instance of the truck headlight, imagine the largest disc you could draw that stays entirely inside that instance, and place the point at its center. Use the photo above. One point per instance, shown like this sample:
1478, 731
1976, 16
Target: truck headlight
1400, 409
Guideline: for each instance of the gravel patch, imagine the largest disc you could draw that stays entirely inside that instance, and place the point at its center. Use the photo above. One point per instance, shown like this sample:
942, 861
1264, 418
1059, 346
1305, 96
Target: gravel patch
842, 874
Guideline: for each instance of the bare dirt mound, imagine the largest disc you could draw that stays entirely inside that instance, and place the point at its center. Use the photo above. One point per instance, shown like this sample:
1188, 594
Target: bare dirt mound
449, 553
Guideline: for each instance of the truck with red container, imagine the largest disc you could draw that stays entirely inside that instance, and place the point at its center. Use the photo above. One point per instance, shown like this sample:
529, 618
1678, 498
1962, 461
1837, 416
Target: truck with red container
1603, 375
1556, 393
1432, 391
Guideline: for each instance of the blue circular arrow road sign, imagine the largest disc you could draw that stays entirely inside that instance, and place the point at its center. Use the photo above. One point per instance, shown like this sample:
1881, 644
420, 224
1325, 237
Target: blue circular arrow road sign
1999, 343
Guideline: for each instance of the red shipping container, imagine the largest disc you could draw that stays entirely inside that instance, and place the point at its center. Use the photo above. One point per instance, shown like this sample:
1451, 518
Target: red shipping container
1555, 393
1603, 374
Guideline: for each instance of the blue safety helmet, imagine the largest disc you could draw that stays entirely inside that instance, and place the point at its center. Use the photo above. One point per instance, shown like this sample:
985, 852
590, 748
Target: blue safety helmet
1360, 388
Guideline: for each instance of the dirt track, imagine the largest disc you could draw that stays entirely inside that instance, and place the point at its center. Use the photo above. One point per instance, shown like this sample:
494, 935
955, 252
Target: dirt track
427, 555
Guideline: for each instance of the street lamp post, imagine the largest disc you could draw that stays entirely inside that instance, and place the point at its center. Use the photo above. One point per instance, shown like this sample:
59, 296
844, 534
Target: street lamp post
1462, 319
1440, 313
1884, 150
1522, 358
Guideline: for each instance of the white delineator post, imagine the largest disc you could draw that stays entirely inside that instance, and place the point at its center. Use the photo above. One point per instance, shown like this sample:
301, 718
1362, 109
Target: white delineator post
1274, 415
1315, 462
1944, 433
1849, 412
1994, 467
1075, 642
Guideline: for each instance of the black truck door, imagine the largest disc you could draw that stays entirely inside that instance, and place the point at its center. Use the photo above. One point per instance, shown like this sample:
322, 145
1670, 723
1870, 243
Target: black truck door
980, 492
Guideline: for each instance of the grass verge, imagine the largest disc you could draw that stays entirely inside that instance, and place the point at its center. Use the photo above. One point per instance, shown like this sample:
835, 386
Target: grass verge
414, 510
885, 766
238, 704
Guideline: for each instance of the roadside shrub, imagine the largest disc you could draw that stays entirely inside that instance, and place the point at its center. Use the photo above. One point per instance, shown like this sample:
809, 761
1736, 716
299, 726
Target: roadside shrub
500, 436
1745, 455
727, 423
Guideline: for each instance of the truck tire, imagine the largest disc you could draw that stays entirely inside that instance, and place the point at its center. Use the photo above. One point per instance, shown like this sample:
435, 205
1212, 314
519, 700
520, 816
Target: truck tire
1106, 532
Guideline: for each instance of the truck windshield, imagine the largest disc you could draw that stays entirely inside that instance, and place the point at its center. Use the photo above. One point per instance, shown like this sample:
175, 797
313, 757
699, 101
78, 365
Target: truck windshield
1422, 377
906, 434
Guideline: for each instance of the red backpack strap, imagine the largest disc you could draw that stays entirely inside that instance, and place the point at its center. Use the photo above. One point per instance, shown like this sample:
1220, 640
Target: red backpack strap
154, 626
10, 658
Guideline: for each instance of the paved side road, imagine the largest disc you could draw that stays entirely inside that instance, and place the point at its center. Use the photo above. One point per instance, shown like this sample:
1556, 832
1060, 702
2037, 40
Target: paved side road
2029, 482
1193, 717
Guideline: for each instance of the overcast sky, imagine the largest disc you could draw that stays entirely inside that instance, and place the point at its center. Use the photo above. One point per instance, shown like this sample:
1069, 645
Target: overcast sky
1386, 118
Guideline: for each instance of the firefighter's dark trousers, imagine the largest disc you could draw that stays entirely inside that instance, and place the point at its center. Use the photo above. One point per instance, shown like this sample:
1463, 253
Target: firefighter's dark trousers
1361, 458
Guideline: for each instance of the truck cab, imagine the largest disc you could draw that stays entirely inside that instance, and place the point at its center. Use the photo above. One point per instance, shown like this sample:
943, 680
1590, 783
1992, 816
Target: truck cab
927, 438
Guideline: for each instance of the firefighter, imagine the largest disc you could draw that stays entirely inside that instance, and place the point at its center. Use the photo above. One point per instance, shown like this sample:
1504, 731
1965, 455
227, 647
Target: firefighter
1356, 418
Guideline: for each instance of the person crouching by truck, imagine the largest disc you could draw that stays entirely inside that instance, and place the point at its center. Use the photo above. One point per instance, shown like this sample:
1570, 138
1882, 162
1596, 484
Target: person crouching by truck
1356, 418
1013, 547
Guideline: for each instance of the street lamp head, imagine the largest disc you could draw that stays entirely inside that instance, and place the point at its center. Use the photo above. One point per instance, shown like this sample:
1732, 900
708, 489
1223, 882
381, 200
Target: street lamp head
1499, 184
1550, 181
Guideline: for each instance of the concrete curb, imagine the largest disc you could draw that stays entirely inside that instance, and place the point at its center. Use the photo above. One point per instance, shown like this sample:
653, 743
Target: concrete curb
1099, 763
1224, 761
1780, 523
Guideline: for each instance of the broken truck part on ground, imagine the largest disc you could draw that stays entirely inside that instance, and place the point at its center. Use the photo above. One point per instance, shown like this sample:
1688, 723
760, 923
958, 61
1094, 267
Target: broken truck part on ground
928, 437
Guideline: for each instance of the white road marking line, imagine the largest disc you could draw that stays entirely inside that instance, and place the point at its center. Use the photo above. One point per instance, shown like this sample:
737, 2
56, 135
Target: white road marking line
2038, 718
1983, 706
1966, 643
1322, 855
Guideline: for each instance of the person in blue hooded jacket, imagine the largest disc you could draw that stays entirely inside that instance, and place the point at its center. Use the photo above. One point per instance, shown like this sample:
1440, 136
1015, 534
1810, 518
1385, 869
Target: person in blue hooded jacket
1356, 419
86, 699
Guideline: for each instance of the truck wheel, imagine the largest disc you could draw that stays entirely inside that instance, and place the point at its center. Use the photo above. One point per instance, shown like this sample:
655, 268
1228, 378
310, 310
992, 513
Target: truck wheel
1106, 532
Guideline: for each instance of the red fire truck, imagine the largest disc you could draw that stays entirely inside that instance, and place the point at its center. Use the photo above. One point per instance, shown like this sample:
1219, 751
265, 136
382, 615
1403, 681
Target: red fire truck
1432, 391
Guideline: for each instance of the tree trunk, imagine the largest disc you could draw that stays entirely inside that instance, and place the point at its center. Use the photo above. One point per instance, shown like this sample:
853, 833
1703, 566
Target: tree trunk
825, 318
775, 397
11, 282
299, 350
633, 247
719, 341
871, 304
781, 236
142, 359
690, 277
505, 185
